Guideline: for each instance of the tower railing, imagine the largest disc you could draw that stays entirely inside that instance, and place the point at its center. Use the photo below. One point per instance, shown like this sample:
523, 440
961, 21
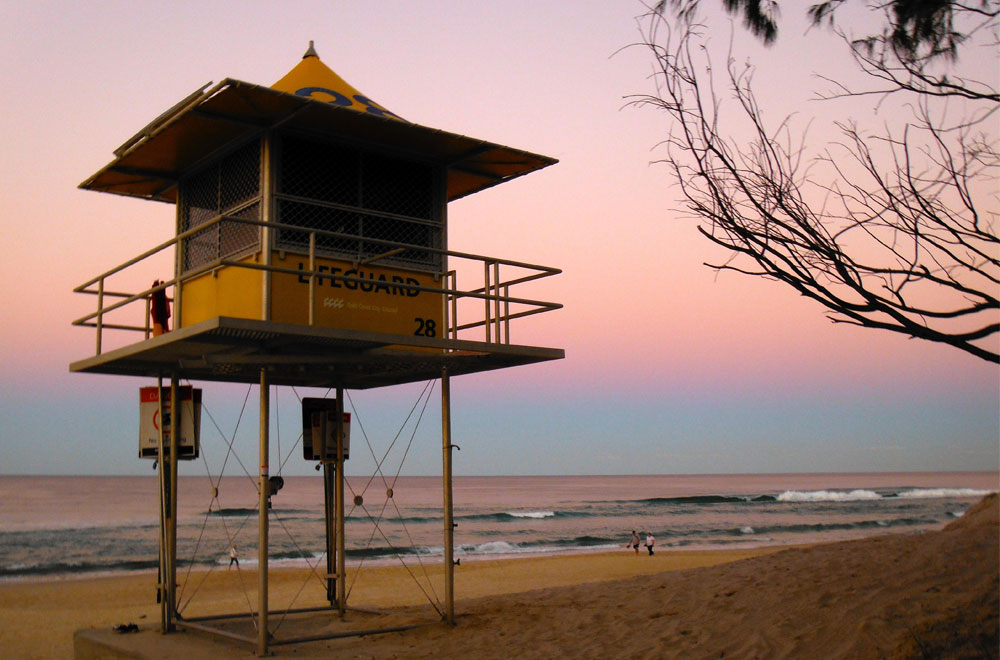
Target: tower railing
118, 308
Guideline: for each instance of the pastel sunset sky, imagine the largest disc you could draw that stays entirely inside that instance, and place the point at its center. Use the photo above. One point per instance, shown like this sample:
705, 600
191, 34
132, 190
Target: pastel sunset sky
670, 367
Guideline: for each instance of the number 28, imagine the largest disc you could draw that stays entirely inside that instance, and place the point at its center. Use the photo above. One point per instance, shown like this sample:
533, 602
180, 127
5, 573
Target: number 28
425, 327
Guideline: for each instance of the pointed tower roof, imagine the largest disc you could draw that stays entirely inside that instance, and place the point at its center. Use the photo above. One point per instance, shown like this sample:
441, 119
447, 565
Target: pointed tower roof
313, 79
310, 99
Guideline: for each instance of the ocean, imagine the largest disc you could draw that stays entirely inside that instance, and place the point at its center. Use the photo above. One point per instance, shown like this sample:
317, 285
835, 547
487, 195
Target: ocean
53, 527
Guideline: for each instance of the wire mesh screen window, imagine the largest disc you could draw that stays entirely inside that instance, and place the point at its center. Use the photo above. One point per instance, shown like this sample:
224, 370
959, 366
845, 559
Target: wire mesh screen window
360, 195
229, 187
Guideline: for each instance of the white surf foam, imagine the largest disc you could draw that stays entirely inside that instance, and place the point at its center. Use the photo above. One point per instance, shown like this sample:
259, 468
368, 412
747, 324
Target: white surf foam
532, 514
859, 495
920, 493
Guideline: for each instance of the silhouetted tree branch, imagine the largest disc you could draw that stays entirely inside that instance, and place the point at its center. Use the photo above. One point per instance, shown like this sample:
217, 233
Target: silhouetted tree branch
887, 231
916, 29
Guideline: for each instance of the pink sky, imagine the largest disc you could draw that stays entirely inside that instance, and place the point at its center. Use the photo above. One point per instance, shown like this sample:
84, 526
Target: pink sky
643, 316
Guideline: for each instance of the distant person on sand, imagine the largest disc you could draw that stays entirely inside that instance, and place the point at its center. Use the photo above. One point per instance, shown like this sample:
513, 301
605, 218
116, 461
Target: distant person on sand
634, 543
233, 559
650, 542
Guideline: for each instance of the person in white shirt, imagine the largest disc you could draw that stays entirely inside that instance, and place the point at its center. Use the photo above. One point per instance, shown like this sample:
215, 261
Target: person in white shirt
650, 542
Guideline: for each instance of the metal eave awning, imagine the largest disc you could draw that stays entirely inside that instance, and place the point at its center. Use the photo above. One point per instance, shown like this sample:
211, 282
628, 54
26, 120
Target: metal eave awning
214, 120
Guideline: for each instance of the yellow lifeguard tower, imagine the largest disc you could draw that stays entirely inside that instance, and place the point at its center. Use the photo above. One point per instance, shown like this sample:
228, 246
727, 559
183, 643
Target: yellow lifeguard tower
311, 249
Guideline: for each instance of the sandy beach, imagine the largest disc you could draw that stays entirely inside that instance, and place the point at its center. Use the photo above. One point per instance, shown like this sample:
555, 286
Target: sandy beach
933, 594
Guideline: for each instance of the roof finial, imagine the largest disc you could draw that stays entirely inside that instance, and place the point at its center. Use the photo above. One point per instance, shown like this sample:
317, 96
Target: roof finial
311, 52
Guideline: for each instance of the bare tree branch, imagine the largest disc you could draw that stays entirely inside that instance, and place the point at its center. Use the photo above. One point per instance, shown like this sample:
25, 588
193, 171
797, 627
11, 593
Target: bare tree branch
894, 237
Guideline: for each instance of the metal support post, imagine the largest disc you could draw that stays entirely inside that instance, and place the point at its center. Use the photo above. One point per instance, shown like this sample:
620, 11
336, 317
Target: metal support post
267, 215
341, 582
312, 278
161, 596
171, 575
265, 412
180, 250
486, 299
330, 518
449, 526
496, 300
100, 313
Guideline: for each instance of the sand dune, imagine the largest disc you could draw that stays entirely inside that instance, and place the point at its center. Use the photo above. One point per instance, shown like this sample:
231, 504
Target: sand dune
933, 594
900, 596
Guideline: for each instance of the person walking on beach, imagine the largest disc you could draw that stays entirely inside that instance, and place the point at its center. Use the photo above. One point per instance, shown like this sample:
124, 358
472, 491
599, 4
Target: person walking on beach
650, 542
634, 543
233, 559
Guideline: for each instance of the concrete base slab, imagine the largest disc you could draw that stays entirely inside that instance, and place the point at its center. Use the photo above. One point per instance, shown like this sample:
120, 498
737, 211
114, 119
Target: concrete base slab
147, 643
